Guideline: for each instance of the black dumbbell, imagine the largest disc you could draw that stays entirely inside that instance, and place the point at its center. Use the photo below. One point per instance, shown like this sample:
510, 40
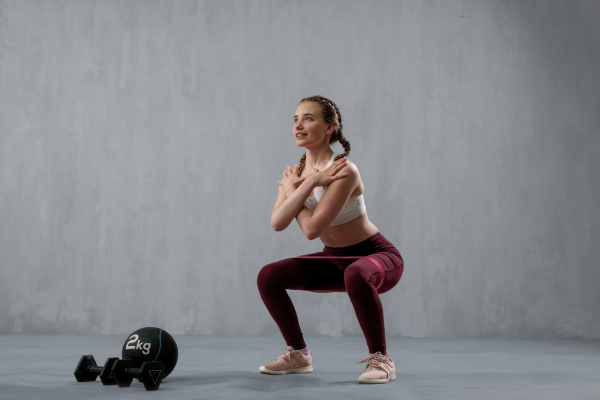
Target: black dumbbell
150, 373
87, 370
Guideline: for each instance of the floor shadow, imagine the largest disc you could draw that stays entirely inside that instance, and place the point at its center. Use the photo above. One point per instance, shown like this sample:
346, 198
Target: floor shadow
343, 383
243, 379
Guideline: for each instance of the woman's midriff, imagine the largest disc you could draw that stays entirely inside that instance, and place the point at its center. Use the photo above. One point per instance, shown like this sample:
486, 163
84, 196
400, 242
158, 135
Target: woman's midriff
350, 233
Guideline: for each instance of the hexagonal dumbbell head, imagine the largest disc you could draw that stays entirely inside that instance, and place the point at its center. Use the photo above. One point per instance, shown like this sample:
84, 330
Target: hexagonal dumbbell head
87, 370
84, 372
150, 373
106, 375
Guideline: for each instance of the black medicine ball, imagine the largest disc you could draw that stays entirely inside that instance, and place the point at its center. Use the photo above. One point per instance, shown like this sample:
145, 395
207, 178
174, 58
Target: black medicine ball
151, 344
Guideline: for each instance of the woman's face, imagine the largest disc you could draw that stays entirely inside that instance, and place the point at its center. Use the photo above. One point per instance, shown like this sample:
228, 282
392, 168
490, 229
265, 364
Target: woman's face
310, 129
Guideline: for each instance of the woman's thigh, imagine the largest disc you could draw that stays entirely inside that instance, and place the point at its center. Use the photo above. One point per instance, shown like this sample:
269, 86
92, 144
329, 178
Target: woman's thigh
302, 274
366, 271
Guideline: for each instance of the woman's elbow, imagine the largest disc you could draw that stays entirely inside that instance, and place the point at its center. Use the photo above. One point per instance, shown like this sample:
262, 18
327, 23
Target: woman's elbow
312, 229
312, 234
312, 237
277, 228
277, 225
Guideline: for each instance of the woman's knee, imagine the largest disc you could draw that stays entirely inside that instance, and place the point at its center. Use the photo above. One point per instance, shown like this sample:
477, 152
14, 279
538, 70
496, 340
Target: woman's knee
355, 276
271, 275
363, 275
265, 278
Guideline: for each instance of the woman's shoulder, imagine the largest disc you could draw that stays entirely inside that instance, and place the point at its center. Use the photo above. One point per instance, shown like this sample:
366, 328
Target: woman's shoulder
350, 167
352, 170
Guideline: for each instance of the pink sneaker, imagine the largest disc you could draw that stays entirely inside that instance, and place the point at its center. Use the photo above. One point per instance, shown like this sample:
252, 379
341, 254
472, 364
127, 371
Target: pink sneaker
380, 369
290, 362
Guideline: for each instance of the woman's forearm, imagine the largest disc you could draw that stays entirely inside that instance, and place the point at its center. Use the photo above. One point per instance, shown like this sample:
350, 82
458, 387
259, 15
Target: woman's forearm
284, 213
304, 218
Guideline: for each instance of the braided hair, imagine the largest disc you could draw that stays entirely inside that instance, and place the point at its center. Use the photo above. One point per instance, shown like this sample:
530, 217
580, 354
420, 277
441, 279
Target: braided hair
331, 115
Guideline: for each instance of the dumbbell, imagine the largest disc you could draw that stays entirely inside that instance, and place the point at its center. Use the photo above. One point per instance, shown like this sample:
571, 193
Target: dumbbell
87, 370
150, 373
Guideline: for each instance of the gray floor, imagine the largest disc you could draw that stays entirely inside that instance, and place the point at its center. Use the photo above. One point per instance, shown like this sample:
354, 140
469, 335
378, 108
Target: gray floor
41, 367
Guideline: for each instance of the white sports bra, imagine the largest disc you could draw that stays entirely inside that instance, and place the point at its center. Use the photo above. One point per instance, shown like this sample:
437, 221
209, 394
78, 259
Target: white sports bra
354, 208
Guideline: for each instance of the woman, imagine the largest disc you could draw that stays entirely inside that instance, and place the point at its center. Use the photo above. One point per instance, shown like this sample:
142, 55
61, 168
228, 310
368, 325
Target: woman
325, 196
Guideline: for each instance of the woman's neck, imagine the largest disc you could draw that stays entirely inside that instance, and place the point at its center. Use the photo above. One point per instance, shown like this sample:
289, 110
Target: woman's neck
318, 158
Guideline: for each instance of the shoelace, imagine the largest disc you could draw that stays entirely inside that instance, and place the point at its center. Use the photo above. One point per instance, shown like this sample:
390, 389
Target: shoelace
376, 360
287, 354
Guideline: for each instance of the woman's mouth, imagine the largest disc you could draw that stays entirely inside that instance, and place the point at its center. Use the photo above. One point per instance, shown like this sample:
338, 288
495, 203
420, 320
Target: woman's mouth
300, 135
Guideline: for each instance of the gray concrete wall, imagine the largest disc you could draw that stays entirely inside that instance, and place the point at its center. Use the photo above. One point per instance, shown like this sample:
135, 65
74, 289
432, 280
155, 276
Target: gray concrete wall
141, 143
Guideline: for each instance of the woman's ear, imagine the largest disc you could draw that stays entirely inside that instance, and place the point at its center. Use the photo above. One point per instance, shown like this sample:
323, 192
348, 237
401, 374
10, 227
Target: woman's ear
330, 129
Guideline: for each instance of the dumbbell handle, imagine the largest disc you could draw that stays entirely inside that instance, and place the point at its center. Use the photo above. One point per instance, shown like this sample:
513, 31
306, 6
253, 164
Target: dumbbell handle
135, 372
95, 369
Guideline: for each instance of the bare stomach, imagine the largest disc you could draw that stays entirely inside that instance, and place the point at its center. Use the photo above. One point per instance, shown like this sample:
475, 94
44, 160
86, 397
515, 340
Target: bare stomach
352, 232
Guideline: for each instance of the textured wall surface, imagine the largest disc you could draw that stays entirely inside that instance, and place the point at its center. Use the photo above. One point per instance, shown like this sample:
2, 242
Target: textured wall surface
141, 143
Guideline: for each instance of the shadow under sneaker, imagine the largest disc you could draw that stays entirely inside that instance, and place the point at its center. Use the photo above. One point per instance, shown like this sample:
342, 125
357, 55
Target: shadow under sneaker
290, 362
380, 369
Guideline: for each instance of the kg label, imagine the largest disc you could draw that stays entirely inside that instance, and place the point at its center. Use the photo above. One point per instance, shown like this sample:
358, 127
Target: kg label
134, 343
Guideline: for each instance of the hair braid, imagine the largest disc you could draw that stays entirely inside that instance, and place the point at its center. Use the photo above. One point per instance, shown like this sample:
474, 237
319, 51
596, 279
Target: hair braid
338, 135
301, 164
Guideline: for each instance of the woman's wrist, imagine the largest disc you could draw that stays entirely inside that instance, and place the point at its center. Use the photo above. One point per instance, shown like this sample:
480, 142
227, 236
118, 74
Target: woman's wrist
309, 182
304, 190
289, 191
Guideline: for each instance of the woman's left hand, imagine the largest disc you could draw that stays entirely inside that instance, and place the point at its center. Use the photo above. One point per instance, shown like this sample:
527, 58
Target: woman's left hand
329, 174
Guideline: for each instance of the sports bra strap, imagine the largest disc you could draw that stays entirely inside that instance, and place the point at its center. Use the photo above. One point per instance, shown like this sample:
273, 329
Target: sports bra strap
331, 160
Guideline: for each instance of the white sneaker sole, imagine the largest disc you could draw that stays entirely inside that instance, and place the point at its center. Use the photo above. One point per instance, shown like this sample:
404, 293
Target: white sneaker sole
301, 370
364, 379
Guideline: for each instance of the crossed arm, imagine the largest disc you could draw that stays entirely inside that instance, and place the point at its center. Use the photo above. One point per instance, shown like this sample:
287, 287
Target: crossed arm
340, 179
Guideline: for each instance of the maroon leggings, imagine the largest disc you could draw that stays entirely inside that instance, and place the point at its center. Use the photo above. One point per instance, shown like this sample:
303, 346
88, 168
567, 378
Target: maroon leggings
359, 278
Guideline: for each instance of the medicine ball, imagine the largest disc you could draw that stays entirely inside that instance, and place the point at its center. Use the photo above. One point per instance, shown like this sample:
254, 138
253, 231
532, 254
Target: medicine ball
151, 344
